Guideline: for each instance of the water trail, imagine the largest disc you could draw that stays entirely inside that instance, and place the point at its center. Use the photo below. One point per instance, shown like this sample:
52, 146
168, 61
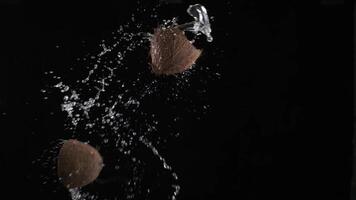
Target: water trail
154, 150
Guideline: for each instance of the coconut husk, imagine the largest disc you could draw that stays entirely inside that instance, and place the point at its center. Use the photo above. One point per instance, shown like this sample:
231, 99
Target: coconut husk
78, 164
171, 52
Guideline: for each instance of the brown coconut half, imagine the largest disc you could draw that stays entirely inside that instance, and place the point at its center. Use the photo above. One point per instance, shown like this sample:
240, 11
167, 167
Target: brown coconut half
78, 164
171, 52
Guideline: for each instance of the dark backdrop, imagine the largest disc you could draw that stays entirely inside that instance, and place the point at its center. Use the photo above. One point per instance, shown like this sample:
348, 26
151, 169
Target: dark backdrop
280, 123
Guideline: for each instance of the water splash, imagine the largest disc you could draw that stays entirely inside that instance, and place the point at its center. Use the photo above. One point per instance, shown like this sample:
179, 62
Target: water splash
77, 194
104, 114
201, 23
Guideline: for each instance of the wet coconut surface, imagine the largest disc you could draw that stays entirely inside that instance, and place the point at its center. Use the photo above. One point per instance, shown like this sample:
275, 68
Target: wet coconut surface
78, 164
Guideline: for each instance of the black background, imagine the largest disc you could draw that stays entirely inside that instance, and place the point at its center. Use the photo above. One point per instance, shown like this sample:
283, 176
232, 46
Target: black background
280, 124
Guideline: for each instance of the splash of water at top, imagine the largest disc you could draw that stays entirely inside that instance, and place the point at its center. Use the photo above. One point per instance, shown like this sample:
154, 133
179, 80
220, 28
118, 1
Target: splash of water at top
201, 23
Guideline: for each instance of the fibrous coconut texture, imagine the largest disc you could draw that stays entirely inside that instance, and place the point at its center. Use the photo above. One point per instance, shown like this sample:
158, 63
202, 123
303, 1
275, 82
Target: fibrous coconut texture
171, 52
78, 164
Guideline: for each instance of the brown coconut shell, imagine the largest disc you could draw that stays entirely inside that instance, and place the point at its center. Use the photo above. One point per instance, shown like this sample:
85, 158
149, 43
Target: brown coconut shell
78, 164
171, 52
